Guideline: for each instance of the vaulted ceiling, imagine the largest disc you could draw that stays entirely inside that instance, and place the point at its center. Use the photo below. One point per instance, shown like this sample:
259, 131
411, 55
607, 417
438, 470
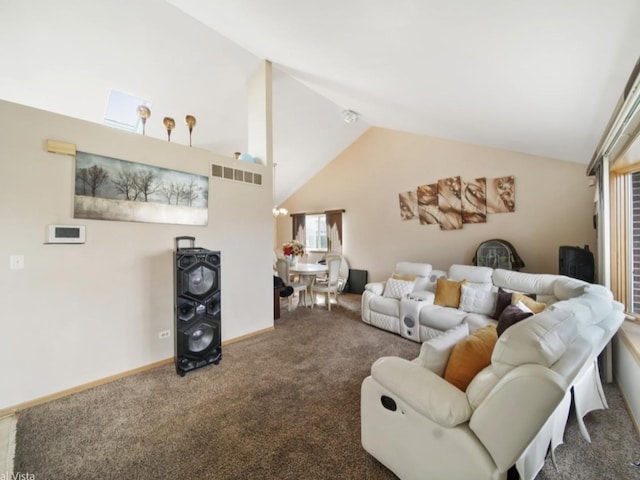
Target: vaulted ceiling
538, 77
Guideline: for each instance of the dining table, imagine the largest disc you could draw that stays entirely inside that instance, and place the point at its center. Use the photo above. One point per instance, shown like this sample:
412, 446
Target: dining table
308, 272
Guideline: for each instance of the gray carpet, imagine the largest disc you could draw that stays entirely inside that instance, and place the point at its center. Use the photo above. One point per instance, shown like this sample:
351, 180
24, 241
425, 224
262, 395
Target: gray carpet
282, 405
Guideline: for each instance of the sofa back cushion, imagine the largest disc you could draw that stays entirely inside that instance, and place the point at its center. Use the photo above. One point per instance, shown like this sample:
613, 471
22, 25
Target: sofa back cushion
420, 271
541, 339
538, 283
566, 287
479, 277
589, 308
433, 279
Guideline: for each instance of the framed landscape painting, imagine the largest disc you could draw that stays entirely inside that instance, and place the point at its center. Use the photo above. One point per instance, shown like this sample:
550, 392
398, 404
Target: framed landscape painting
111, 189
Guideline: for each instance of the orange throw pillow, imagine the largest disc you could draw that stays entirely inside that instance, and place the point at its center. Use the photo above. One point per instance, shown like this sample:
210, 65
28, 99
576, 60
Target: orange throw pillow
448, 292
535, 307
469, 356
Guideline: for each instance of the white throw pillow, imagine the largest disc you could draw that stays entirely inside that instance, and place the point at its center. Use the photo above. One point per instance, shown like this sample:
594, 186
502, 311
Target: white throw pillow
475, 300
435, 352
395, 288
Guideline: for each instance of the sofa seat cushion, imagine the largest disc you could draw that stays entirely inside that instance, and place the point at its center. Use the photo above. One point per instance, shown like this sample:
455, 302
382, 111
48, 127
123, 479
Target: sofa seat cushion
477, 321
469, 356
386, 306
441, 318
541, 339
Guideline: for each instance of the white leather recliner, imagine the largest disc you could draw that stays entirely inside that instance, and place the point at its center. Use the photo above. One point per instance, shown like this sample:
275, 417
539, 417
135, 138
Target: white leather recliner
421, 426
381, 306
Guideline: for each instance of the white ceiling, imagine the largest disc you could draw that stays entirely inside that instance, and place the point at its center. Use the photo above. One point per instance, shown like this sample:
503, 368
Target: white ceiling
540, 77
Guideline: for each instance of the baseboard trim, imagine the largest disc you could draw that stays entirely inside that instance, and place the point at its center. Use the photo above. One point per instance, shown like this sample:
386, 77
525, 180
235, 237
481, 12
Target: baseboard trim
81, 388
103, 381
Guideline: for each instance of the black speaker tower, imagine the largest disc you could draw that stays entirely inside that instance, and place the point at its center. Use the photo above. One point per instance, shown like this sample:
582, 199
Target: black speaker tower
197, 309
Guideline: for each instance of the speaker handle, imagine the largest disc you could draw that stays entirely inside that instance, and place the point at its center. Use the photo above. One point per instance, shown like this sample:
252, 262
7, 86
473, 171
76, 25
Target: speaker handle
191, 239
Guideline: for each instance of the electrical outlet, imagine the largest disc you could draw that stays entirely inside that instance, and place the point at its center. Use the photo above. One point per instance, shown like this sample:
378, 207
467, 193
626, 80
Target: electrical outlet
164, 334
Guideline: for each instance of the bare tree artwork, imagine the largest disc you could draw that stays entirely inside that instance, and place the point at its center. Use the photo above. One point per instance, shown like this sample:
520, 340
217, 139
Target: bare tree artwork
190, 192
145, 181
125, 184
119, 186
92, 178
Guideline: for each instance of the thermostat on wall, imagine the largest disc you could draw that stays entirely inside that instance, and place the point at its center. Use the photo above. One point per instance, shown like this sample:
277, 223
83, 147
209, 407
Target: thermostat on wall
65, 234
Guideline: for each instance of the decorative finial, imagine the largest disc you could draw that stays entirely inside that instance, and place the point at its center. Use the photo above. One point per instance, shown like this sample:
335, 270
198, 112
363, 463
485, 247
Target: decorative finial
144, 113
170, 124
190, 120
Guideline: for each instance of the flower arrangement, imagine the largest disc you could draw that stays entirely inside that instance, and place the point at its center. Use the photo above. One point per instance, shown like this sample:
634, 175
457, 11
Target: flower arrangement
293, 248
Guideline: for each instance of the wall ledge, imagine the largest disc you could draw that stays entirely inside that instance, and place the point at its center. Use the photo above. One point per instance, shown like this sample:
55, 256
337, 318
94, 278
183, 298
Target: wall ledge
630, 335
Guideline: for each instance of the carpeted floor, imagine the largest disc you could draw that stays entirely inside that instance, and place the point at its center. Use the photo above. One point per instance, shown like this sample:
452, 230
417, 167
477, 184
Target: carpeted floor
282, 405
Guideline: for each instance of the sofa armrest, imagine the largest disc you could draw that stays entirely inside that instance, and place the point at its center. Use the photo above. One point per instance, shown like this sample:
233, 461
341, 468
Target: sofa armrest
515, 410
377, 288
423, 296
426, 392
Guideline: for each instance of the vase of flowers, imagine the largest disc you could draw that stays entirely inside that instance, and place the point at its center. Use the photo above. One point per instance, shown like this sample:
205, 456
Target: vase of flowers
292, 250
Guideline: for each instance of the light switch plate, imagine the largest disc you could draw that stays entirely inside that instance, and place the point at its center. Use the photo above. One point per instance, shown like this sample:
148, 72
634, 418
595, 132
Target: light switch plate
16, 262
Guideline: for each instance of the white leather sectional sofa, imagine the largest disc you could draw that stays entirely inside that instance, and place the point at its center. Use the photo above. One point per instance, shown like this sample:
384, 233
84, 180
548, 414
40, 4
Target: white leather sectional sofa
421, 426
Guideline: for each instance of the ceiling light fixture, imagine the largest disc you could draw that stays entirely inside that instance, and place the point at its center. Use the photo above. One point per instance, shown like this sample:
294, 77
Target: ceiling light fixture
350, 116
277, 211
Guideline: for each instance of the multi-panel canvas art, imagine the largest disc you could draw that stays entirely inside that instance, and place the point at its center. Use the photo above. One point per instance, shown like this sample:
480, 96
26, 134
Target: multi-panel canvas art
452, 202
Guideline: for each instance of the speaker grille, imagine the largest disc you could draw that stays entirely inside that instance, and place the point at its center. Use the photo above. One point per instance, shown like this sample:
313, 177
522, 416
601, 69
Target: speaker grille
200, 337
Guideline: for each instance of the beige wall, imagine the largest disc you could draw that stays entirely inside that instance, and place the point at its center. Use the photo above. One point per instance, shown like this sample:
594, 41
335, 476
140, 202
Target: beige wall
80, 313
554, 204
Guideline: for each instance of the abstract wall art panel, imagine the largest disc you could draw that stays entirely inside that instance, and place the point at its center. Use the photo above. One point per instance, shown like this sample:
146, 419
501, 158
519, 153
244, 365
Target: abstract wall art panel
501, 195
428, 210
449, 203
474, 201
408, 205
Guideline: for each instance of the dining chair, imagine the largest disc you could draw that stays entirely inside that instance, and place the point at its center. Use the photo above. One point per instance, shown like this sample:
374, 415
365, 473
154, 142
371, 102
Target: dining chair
282, 267
331, 284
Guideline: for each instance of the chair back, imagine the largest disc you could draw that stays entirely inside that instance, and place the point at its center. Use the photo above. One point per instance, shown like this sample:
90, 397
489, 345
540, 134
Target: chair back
333, 263
282, 266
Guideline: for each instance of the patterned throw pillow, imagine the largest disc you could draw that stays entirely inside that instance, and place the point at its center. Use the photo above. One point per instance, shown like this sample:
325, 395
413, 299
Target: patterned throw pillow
395, 288
474, 300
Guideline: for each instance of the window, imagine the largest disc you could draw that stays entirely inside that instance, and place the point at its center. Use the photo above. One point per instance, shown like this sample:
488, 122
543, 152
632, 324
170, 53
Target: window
316, 232
320, 232
122, 111
634, 229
